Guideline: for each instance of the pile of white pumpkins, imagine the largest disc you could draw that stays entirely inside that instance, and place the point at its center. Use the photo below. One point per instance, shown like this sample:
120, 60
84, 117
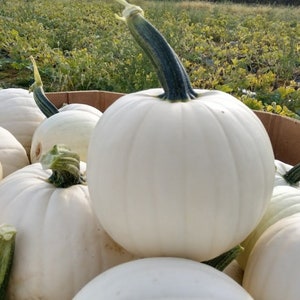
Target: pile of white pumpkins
62, 251
170, 182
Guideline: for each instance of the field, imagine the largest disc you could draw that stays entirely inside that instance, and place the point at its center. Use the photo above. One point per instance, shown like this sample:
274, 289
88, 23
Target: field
252, 52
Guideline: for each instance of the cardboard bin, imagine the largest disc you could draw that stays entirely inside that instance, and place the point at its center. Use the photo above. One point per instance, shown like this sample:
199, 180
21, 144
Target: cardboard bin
284, 132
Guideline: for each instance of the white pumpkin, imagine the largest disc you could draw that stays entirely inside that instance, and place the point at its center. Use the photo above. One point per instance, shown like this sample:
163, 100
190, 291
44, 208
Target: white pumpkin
72, 128
285, 202
272, 271
184, 172
176, 175
60, 244
161, 279
13, 155
19, 114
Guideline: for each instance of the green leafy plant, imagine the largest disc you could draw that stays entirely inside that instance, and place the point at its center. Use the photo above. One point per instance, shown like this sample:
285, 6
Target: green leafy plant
231, 47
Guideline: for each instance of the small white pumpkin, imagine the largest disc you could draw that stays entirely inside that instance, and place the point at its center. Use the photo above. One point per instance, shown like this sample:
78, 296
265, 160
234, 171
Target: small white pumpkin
272, 271
13, 155
60, 244
19, 114
72, 128
285, 202
162, 278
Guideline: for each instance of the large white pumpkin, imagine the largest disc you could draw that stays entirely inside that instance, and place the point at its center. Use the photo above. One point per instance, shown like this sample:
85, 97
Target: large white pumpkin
188, 179
285, 202
272, 271
60, 245
183, 172
13, 155
19, 114
162, 278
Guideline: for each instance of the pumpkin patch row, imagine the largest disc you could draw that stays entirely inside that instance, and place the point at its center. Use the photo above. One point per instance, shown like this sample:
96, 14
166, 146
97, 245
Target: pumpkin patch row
146, 199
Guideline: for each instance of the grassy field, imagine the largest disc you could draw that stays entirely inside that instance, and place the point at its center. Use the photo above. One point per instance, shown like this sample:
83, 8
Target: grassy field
252, 52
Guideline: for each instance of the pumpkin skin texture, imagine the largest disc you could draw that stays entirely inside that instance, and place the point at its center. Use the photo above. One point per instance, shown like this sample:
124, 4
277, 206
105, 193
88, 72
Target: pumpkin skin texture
272, 271
60, 245
19, 114
81, 107
13, 155
162, 278
72, 128
285, 202
175, 176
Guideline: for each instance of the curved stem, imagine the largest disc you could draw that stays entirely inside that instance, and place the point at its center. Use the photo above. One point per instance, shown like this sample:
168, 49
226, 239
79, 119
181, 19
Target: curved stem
292, 176
169, 69
65, 166
7, 248
44, 104
222, 261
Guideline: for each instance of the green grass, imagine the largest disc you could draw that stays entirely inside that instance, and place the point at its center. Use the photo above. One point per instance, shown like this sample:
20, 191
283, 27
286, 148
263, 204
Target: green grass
252, 52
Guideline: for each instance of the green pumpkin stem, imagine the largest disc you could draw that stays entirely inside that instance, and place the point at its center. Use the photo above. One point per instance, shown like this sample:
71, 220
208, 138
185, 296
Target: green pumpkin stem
7, 248
65, 166
222, 261
44, 104
169, 69
292, 176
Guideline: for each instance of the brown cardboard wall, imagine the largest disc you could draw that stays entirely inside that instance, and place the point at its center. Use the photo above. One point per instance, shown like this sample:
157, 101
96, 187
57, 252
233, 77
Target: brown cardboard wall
284, 132
98, 99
